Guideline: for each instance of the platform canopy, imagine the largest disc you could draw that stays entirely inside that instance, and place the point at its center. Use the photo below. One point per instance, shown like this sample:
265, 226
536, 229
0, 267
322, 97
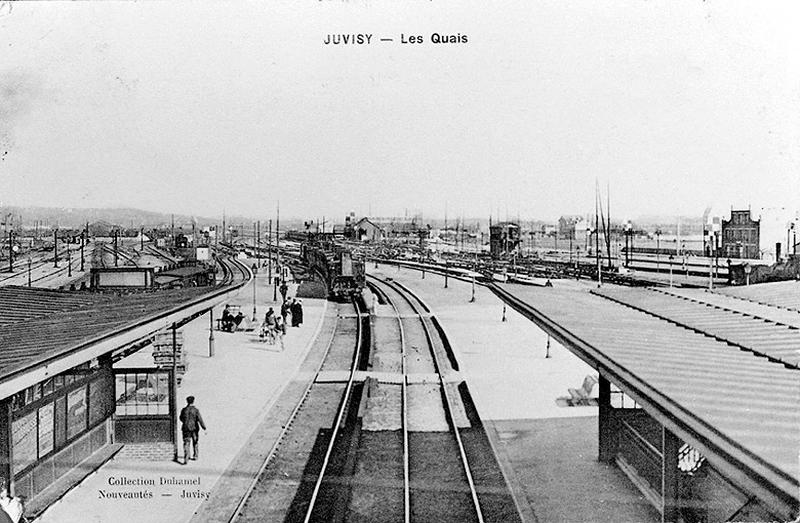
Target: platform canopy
738, 406
39, 327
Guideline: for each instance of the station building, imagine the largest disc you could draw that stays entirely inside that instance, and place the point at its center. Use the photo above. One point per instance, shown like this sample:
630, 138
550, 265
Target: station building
740, 236
64, 407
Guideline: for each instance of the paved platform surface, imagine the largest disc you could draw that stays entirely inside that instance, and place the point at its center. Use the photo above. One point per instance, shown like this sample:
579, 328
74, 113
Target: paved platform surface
555, 465
504, 363
548, 453
234, 391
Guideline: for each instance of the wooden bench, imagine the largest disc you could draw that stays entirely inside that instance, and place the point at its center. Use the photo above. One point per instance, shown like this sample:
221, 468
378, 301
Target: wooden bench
585, 392
233, 309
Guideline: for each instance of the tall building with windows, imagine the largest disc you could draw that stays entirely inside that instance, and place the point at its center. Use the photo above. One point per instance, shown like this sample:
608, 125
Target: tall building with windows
740, 236
504, 238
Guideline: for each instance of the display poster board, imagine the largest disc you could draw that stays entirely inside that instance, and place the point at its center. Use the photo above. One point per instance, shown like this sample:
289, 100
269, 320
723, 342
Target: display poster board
76, 412
24, 441
46, 416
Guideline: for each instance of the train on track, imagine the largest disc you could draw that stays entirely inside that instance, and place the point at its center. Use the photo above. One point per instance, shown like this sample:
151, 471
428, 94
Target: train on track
340, 269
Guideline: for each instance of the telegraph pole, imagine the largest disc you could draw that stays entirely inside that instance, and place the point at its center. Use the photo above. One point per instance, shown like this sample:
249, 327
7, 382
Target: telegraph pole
83, 242
278, 241
269, 249
258, 243
69, 261
55, 247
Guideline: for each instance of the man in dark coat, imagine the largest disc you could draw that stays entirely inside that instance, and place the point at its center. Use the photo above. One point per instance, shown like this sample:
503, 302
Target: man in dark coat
284, 289
295, 314
285, 310
192, 422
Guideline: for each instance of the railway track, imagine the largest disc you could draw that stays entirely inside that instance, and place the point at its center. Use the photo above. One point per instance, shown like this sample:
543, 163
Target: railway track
21, 277
382, 432
286, 487
232, 270
438, 479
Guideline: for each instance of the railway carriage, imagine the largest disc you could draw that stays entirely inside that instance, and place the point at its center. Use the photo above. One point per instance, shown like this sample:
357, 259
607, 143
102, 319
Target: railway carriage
340, 270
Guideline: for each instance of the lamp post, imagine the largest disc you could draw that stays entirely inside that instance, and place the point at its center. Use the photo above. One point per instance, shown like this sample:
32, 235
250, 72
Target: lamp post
83, 242
55, 247
683, 252
255, 273
625, 233
472, 300
658, 251
571, 234
69, 260
671, 257
269, 249
633, 237
6, 222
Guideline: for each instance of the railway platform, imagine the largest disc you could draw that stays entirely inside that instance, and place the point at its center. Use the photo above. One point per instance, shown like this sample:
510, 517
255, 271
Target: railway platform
234, 390
548, 452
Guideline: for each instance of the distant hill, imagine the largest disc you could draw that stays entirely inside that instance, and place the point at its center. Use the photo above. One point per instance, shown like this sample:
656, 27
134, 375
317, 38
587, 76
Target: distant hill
71, 217
126, 218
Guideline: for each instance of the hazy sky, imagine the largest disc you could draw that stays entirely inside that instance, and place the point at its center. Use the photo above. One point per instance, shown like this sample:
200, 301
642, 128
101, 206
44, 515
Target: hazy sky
199, 107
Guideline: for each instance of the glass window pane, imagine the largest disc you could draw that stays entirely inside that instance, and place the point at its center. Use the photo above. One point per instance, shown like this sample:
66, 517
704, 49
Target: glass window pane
24, 441
46, 429
76, 412
47, 387
60, 421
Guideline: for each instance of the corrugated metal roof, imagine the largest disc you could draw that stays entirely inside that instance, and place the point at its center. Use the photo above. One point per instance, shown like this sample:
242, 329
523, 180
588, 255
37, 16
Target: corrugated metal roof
25, 303
750, 400
772, 313
785, 294
75, 319
764, 337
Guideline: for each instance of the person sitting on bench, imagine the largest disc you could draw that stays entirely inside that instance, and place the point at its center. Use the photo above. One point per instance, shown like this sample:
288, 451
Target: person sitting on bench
228, 321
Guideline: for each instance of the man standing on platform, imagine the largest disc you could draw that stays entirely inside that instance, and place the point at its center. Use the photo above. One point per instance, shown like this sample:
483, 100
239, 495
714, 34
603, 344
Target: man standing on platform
192, 422
284, 289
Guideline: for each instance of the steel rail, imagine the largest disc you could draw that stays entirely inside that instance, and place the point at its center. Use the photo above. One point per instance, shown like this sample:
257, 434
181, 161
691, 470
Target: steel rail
41, 263
339, 417
287, 426
403, 413
448, 400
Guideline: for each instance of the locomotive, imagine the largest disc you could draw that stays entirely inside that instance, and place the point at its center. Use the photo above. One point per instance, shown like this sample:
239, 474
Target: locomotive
340, 270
